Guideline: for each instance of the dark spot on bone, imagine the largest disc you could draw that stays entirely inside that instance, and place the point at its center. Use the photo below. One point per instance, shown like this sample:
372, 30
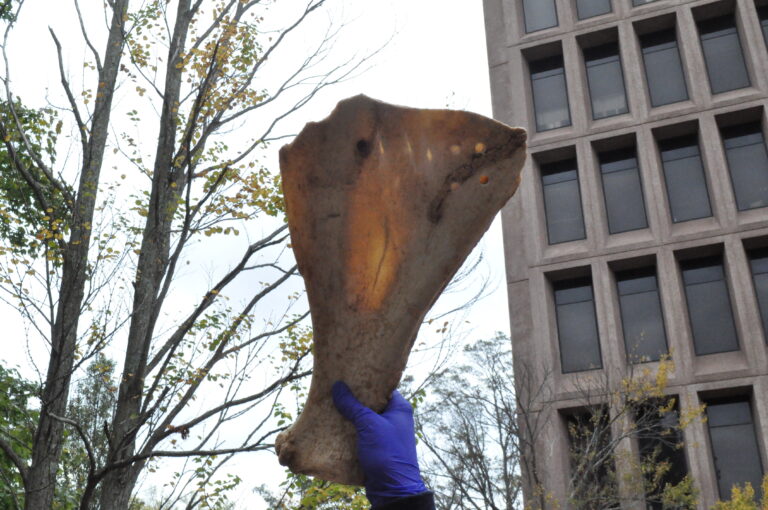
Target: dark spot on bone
363, 148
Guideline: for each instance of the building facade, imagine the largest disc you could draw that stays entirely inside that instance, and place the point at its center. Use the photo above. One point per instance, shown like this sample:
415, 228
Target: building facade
640, 229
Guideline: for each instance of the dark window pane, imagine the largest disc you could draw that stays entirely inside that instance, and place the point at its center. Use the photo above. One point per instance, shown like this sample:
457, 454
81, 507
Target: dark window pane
748, 165
562, 202
709, 306
660, 441
577, 326
641, 2
723, 55
591, 8
622, 191
763, 13
663, 68
641, 318
539, 14
734, 445
758, 261
729, 413
573, 291
606, 81
550, 93
684, 177
589, 437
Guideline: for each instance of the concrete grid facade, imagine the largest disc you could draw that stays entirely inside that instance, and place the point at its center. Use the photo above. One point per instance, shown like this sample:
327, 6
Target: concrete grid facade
534, 266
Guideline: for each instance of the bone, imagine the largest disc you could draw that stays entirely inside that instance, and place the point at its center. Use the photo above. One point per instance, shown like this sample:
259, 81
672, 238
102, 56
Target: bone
384, 203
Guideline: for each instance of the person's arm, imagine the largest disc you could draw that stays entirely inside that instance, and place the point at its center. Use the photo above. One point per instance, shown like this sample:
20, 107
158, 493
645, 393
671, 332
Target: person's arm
386, 448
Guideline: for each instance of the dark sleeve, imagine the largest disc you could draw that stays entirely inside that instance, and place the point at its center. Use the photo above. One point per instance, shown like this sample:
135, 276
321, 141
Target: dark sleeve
423, 501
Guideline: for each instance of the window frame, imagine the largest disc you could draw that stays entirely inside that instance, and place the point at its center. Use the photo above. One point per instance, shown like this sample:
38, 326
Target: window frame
677, 143
749, 401
645, 44
546, 169
610, 154
701, 263
645, 443
579, 16
762, 17
599, 61
588, 418
571, 283
634, 274
703, 36
752, 255
532, 80
525, 17
746, 130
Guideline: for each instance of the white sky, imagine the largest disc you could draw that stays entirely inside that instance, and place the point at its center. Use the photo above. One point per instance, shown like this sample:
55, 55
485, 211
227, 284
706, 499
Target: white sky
437, 58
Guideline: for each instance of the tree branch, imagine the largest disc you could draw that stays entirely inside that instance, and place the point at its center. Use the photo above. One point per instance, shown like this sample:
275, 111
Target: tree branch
83, 438
17, 461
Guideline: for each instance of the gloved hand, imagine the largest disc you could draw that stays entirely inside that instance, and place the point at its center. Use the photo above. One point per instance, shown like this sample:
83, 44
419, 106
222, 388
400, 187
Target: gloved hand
386, 446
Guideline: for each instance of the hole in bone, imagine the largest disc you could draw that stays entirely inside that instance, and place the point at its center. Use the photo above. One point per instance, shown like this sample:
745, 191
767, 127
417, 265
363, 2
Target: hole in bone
363, 148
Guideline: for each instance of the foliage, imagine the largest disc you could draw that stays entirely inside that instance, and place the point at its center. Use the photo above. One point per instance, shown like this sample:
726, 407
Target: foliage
743, 498
163, 125
468, 425
16, 427
300, 492
683, 496
481, 434
636, 408
91, 407
26, 228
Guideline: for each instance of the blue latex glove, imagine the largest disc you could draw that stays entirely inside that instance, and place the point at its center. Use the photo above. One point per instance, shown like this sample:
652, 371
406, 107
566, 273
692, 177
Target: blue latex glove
386, 446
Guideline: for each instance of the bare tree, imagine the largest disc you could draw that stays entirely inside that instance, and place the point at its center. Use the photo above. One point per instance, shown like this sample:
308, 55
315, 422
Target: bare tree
468, 426
484, 437
100, 268
625, 437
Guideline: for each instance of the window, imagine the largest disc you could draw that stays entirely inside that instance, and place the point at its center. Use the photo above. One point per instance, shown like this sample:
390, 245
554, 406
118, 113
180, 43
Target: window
684, 176
734, 446
635, 3
762, 13
539, 14
622, 191
591, 8
641, 318
758, 261
606, 81
590, 446
660, 442
550, 93
577, 325
748, 164
709, 306
663, 68
562, 201
723, 55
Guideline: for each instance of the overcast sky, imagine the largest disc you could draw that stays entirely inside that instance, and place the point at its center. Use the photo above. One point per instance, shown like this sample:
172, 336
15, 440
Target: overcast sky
436, 58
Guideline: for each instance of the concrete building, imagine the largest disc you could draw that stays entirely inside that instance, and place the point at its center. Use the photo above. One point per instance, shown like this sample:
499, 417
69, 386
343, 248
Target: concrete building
641, 225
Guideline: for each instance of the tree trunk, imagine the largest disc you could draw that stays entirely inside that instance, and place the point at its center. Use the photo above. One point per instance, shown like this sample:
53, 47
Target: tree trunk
46, 449
152, 265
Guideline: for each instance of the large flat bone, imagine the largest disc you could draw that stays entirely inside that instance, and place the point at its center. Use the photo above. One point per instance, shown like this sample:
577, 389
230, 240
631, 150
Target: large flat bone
384, 203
